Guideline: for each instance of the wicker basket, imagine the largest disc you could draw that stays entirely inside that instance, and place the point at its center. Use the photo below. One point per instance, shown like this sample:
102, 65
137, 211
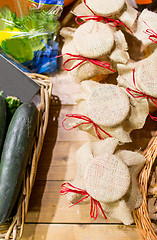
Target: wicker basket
14, 229
141, 216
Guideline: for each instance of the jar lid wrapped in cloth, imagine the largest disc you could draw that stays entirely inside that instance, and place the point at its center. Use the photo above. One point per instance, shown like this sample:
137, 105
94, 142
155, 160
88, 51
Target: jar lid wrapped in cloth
106, 110
107, 178
140, 79
94, 39
147, 28
90, 53
116, 13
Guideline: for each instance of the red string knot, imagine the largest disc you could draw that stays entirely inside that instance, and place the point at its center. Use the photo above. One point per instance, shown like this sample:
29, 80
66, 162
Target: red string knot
95, 205
86, 120
74, 57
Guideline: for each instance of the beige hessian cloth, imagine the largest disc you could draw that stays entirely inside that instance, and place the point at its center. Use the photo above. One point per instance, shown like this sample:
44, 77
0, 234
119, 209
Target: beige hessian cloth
94, 39
118, 9
110, 177
146, 21
112, 109
105, 7
90, 41
145, 76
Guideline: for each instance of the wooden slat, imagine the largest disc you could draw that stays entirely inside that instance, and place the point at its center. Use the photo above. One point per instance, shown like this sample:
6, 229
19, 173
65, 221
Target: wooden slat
55, 130
46, 205
58, 162
79, 232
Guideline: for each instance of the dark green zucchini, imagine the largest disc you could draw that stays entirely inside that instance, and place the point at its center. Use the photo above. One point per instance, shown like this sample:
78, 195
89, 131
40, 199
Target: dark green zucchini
16, 151
2, 121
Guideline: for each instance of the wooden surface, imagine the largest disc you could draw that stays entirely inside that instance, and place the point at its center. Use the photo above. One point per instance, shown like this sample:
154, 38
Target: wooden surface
49, 216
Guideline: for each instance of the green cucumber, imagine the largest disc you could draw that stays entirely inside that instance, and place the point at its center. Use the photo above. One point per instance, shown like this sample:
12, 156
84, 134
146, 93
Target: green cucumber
16, 151
2, 121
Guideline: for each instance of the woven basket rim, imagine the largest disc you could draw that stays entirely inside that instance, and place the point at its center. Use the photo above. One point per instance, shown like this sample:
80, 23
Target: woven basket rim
141, 215
14, 230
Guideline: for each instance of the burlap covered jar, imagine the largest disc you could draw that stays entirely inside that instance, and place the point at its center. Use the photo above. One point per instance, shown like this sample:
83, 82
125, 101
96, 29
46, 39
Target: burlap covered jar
109, 111
97, 40
118, 9
147, 28
109, 177
101, 54
140, 80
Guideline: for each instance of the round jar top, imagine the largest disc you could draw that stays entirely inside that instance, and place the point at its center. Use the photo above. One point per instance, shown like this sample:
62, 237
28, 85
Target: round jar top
107, 178
105, 7
93, 39
146, 78
108, 105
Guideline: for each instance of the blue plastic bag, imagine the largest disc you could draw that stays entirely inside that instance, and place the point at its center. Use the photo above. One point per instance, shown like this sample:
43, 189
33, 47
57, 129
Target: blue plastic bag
44, 61
49, 2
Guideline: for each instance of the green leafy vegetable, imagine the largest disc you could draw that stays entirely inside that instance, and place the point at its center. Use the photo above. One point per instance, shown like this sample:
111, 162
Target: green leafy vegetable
12, 103
6, 18
37, 20
41, 21
19, 48
35, 29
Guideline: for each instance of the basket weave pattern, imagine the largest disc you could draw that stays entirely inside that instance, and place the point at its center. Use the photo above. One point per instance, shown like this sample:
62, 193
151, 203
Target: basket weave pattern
14, 230
141, 216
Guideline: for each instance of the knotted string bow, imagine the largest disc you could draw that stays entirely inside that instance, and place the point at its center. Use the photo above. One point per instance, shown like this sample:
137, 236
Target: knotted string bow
103, 64
95, 205
86, 120
139, 94
110, 21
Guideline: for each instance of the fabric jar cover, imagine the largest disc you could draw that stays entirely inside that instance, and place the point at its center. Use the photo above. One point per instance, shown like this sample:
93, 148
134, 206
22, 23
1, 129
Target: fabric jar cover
118, 55
110, 177
107, 178
105, 7
122, 11
107, 105
94, 39
112, 109
85, 71
145, 77
88, 70
147, 26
